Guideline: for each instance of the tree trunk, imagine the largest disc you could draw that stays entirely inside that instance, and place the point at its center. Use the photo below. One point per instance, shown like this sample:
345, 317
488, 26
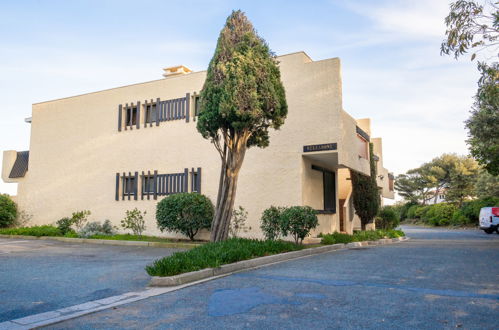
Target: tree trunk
362, 225
232, 161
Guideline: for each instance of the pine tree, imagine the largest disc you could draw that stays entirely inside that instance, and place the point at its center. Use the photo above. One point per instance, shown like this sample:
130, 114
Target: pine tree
241, 99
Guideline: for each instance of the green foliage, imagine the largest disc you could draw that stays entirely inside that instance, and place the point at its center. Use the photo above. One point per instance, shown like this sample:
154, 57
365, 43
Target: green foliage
134, 220
441, 214
387, 218
483, 124
470, 26
471, 210
271, 222
243, 92
360, 236
8, 211
336, 238
96, 228
238, 222
298, 221
185, 213
215, 254
64, 225
79, 218
365, 192
487, 185
46, 230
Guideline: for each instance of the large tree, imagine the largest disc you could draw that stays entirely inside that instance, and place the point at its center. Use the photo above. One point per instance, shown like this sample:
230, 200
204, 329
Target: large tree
474, 26
242, 98
365, 193
483, 124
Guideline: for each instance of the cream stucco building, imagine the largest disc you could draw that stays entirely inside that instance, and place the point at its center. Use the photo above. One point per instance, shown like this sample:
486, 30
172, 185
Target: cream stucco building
126, 147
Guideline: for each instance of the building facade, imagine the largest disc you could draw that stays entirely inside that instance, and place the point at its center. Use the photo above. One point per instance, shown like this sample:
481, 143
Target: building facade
126, 147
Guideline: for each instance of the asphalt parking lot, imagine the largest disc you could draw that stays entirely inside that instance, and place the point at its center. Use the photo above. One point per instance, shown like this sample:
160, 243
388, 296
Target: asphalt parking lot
440, 279
37, 276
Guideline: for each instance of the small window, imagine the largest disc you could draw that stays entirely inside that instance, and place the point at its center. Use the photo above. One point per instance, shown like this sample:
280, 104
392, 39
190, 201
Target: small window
390, 183
150, 113
363, 147
131, 116
148, 184
129, 186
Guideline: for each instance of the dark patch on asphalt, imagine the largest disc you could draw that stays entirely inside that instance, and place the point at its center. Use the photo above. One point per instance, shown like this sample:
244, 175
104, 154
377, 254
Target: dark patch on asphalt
101, 294
448, 293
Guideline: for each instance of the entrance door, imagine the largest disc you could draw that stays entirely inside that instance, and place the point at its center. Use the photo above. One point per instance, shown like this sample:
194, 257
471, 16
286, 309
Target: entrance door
342, 216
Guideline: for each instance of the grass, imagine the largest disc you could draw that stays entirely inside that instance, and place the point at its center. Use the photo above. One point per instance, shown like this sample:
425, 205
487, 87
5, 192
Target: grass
46, 230
130, 237
360, 236
215, 254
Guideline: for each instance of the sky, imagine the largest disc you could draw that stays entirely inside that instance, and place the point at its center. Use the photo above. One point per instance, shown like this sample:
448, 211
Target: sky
392, 70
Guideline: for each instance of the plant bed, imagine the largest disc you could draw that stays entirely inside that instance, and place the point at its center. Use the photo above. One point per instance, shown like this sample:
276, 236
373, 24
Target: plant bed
361, 236
212, 255
196, 273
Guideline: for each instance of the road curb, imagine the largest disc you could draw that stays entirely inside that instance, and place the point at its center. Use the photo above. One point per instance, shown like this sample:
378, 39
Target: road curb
228, 269
105, 241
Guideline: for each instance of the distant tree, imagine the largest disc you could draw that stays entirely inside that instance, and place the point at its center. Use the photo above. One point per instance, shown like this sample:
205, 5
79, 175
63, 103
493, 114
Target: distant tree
365, 193
242, 98
463, 179
416, 186
470, 26
475, 26
483, 125
487, 185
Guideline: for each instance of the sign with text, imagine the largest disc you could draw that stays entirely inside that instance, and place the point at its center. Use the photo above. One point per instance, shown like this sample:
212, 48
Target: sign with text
320, 147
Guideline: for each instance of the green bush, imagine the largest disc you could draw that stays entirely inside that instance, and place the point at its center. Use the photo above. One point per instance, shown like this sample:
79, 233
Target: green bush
336, 238
185, 213
420, 212
8, 211
411, 212
96, 228
64, 225
46, 230
271, 222
387, 218
471, 210
440, 214
134, 220
360, 236
298, 221
216, 254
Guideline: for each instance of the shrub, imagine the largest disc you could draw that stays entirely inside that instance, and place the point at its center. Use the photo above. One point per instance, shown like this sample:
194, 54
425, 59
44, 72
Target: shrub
185, 213
411, 212
420, 212
439, 214
238, 222
471, 210
8, 211
64, 225
271, 222
134, 220
79, 218
336, 238
22, 219
216, 254
46, 230
387, 218
368, 235
298, 221
96, 228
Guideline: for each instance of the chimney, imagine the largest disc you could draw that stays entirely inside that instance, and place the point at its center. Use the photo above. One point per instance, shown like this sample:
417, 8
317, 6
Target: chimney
175, 71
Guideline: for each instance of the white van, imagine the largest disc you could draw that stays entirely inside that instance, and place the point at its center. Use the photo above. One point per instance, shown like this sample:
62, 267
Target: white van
489, 219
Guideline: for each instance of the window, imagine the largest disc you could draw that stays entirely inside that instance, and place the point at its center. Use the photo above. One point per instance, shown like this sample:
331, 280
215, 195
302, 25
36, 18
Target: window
362, 147
197, 103
150, 116
129, 185
148, 184
390, 181
131, 116
329, 187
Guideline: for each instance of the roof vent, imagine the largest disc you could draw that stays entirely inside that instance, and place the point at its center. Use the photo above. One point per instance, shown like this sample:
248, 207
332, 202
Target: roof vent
176, 70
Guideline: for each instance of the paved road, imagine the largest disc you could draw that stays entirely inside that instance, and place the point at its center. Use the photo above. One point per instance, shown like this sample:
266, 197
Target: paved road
40, 276
439, 279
